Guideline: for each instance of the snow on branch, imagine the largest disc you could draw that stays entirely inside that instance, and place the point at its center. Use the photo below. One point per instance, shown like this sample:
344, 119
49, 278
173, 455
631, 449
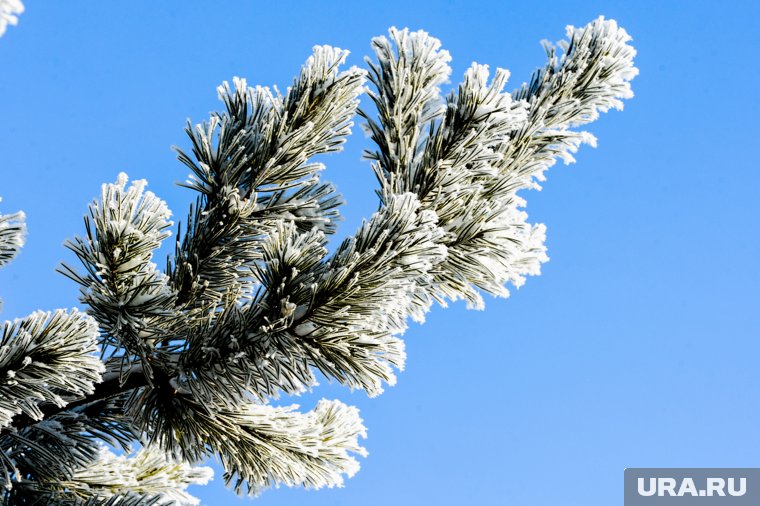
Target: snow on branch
369, 288
341, 315
216, 250
491, 244
592, 74
54, 448
318, 110
279, 446
149, 472
264, 139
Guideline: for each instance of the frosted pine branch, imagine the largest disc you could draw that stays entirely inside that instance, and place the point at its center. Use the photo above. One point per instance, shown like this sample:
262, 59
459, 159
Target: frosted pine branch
148, 475
367, 291
46, 358
52, 450
279, 446
489, 144
124, 290
252, 305
341, 316
592, 75
12, 234
259, 445
252, 167
409, 70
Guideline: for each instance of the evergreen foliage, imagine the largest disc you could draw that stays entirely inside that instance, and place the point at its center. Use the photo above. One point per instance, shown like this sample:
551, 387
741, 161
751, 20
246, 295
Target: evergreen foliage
182, 363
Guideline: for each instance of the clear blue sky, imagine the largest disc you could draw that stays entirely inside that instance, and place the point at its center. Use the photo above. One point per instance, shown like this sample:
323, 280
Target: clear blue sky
638, 345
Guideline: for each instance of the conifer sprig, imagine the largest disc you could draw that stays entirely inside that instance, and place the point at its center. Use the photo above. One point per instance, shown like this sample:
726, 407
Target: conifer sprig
252, 304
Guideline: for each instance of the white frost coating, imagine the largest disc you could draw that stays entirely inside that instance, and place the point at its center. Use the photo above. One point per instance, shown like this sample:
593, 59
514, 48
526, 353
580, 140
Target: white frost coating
123, 287
46, 355
451, 226
149, 472
313, 450
591, 75
407, 98
497, 143
380, 272
132, 222
9, 11
12, 235
617, 57
305, 328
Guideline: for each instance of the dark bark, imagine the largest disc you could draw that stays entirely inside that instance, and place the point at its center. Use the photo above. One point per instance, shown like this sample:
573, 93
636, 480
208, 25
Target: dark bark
104, 390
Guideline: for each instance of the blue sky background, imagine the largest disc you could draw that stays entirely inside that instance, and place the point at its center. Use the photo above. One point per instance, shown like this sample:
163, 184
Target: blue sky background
637, 346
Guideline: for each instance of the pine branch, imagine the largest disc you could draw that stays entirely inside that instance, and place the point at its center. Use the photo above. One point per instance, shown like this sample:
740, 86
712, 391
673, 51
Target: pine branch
251, 165
113, 385
340, 315
129, 298
591, 76
252, 304
277, 446
369, 290
51, 450
490, 144
260, 446
147, 477
46, 358
12, 233
407, 78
